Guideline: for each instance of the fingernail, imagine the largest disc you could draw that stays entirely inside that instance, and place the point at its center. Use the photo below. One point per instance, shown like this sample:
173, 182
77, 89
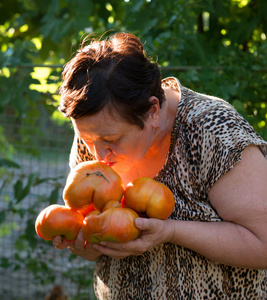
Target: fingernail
138, 222
103, 243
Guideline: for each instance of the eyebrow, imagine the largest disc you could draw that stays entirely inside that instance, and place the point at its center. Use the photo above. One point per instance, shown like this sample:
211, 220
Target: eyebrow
105, 136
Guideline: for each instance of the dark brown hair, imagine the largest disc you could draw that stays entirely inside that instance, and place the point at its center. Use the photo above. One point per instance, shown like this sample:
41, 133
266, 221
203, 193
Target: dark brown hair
114, 71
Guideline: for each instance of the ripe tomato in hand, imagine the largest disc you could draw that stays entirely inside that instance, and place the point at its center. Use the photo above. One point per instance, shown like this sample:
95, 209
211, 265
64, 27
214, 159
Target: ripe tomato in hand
149, 197
112, 225
87, 210
58, 220
92, 182
112, 204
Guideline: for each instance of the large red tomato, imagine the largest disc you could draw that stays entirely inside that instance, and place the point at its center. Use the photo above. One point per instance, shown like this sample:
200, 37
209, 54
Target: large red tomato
92, 182
58, 220
112, 225
149, 197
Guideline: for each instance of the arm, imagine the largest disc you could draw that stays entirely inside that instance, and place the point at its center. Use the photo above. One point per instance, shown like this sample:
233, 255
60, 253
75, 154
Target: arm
240, 198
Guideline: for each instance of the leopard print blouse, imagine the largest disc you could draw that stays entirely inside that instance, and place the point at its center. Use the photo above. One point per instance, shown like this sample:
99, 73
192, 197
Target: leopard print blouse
207, 140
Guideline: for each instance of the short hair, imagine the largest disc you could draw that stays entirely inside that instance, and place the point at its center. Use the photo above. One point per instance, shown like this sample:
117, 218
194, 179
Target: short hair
111, 72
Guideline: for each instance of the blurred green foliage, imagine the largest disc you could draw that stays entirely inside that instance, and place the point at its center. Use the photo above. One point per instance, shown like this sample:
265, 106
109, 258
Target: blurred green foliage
213, 46
18, 220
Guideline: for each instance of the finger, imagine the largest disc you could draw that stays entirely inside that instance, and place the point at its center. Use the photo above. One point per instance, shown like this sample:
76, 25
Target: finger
80, 241
144, 224
72, 249
116, 254
56, 241
59, 243
75, 251
134, 247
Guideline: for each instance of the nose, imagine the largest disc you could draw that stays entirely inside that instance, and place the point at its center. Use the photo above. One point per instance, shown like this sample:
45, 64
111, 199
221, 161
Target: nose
101, 151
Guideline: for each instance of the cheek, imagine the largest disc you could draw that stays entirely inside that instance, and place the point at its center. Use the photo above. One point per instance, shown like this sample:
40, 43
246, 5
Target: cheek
127, 153
137, 150
123, 151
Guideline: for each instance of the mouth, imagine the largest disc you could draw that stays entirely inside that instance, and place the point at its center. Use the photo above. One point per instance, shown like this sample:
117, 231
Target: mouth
110, 163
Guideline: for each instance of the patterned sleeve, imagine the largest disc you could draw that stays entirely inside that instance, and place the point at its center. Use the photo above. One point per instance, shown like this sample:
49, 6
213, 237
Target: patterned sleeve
217, 140
79, 152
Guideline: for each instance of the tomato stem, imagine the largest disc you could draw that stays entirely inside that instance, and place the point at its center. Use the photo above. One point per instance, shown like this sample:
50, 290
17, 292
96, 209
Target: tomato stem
97, 173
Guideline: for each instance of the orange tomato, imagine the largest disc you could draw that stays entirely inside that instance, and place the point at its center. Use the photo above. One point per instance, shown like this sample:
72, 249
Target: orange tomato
92, 182
87, 210
149, 197
112, 225
112, 204
109, 204
58, 220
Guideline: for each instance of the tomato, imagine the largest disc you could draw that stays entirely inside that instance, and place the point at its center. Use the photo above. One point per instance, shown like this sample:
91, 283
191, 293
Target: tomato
112, 204
92, 182
109, 204
87, 210
112, 225
149, 197
58, 220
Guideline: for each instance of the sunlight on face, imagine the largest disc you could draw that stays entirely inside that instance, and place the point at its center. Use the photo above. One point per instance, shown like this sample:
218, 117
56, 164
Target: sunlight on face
114, 141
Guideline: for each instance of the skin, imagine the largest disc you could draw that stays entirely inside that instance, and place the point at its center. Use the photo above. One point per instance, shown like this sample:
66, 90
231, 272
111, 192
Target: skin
239, 197
130, 150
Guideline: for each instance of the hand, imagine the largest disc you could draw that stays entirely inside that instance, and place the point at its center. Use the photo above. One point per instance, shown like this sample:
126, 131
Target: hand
78, 247
153, 232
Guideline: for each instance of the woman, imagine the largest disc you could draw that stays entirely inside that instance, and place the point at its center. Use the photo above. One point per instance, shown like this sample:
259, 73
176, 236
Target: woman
214, 245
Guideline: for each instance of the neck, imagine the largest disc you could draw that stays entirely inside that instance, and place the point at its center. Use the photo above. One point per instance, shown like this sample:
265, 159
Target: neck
156, 156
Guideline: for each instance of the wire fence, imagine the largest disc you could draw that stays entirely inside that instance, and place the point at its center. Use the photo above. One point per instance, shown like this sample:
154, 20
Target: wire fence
31, 272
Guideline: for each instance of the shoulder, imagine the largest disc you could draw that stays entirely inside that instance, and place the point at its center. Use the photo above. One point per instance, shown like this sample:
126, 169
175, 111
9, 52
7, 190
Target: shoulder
211, 136
215, 118
203, 108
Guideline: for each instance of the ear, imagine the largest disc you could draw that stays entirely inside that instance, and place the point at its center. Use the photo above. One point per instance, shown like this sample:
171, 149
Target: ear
154, 112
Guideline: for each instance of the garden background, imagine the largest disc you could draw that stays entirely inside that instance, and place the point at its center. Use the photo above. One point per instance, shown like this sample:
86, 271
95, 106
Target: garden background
215, 47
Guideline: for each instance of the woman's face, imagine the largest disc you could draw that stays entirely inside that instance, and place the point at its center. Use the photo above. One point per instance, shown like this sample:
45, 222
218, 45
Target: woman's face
114, 141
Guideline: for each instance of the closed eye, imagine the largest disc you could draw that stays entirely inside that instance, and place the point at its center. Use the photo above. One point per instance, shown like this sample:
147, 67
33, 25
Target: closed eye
112, 141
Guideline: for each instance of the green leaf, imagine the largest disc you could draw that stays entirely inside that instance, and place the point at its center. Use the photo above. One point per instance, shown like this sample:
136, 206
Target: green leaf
46, 179
53, 196
6, 97
5, 263
22, 191
21, 244
30, 234
8, 163
2, 216
18, 189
